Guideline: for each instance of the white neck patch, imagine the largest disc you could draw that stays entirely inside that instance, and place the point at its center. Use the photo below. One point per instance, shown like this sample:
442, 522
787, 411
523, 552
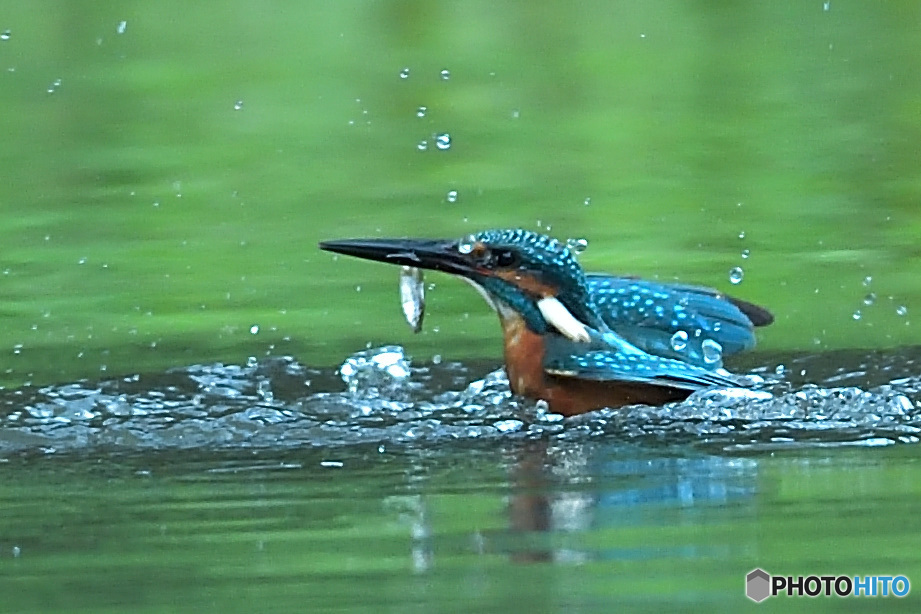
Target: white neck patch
560, 318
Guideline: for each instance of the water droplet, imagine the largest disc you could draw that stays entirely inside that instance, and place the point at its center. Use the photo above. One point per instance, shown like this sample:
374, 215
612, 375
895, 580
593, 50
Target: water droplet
436, 359
746, 253
82, 260
238, 105
869, 299
445, 74
679, 341
54, 86
826, 6
735, 275
421, 111
422, 145
577, 246
516, 114
380, 449
122, 26
451, 196
587, 201
901, 310
713, 351
867, 280
780, 370
5, 35
443, 141
404, 73
857, 315
742, 235
466, 244
16, 552
254, 329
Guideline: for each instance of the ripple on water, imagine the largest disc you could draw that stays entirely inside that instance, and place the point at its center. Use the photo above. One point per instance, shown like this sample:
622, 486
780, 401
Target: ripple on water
379, 397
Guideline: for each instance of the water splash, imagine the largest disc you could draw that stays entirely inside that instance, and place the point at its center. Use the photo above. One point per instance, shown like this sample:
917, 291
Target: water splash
380, 397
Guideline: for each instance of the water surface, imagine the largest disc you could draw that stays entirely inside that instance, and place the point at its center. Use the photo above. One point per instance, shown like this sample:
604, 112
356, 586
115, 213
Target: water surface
390, 486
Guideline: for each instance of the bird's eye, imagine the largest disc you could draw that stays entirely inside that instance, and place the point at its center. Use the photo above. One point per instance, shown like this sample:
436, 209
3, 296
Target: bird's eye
505, 258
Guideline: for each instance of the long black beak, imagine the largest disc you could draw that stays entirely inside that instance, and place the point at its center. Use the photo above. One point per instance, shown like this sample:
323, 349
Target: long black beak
436, 255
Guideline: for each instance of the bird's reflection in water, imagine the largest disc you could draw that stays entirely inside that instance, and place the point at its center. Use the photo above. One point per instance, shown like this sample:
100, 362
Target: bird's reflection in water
559, 496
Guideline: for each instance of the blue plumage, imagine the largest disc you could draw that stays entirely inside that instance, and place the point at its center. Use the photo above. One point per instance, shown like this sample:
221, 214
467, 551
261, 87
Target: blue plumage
608, 358
692, 325
610, 366
649, 314
644, 331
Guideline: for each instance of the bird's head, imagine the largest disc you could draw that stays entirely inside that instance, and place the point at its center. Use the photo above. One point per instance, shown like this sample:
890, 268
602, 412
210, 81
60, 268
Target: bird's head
517, 272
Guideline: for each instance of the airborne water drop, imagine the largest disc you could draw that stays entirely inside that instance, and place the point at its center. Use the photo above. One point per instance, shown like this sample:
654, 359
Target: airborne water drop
735, 275
679, 341
713, 351
443, 141
577, 246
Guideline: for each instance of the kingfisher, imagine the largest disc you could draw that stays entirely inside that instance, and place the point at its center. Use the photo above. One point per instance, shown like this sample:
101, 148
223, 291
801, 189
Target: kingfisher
584, 341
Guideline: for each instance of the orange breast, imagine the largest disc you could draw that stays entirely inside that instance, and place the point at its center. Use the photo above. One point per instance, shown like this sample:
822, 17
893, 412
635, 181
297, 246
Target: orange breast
524, 363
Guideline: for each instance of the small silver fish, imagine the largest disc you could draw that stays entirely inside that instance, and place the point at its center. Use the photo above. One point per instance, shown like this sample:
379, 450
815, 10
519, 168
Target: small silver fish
412, 296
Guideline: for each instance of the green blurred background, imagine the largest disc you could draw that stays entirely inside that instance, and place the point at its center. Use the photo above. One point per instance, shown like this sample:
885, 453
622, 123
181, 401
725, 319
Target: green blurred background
168, 167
